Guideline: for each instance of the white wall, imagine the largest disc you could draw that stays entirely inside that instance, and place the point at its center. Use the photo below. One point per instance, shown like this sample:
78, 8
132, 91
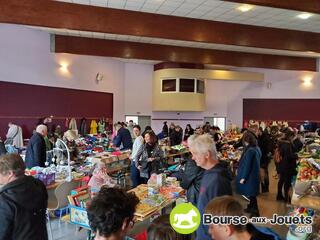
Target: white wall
227, 97
223, 98
138, 89
25, 58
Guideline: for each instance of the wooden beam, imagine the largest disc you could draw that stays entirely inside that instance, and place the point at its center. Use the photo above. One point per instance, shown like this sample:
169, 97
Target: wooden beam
312, 6
56, 14
111, 48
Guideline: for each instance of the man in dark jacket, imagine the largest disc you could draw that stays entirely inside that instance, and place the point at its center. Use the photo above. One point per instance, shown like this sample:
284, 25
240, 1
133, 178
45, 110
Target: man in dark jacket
36, 150
216, 180
23, 202
176, 136
191, 180
123, 138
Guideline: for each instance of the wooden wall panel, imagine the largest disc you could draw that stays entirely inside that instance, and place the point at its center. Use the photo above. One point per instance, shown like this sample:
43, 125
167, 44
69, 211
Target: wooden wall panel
107, 20
111, 48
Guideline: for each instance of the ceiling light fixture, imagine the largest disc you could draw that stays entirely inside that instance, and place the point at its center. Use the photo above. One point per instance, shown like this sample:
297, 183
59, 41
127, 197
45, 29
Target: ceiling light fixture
304, 16
245, 7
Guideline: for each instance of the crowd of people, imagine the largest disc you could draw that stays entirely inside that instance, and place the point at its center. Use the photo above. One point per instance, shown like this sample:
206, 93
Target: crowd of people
204, 176
207, 180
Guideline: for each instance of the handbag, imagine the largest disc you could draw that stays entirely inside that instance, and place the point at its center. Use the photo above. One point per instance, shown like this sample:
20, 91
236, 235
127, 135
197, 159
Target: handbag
277, 155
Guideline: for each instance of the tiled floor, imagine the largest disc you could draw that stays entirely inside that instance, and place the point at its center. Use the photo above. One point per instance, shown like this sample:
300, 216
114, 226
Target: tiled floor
267, 205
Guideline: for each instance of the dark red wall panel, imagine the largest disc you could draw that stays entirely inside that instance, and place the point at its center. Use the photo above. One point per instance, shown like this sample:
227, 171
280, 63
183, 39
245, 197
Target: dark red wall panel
294, 110
25, 104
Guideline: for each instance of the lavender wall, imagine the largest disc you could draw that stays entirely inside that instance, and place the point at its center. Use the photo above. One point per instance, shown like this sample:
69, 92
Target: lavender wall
138, 85
25, 58
224, 98
284, 84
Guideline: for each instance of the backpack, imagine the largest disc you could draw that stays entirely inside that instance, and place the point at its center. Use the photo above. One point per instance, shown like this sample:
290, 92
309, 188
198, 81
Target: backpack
277, 155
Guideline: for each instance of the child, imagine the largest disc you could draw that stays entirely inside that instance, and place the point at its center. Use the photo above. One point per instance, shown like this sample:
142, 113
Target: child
160, 229
100, 177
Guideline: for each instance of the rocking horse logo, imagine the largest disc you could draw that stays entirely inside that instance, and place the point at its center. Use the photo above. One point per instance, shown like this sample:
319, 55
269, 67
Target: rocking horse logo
185, 218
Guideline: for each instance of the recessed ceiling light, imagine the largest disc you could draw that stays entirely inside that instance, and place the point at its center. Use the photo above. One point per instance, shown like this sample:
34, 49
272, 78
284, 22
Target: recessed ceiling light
304, 15
245, 7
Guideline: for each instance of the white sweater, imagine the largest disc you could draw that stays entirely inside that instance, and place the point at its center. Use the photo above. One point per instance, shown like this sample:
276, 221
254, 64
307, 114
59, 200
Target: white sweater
137, 148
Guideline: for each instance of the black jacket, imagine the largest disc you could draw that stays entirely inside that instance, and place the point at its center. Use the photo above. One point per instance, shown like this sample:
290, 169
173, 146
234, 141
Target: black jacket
23, 205
123, 137
297, 145
165, 130
191, 180
2, 148
147, 168
36, 154
187, 134
215, 182
175, 138
288, 163
83, 127
265, 145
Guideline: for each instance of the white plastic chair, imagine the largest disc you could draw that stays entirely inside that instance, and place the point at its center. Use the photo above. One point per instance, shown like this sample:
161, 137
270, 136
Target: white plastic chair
59, 200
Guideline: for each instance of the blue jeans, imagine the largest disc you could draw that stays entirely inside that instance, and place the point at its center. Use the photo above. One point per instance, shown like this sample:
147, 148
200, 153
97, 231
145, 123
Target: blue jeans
135, 175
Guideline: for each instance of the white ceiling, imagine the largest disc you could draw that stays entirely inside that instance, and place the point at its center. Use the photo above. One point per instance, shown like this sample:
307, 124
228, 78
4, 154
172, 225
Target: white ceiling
215, 10
175, 42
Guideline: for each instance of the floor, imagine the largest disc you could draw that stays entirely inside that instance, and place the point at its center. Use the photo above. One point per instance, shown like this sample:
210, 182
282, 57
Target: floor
268, 205
64, 231
266, 201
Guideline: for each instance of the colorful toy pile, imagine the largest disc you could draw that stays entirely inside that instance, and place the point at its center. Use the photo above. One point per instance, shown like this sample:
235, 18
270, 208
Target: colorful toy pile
300, 231
309, 169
